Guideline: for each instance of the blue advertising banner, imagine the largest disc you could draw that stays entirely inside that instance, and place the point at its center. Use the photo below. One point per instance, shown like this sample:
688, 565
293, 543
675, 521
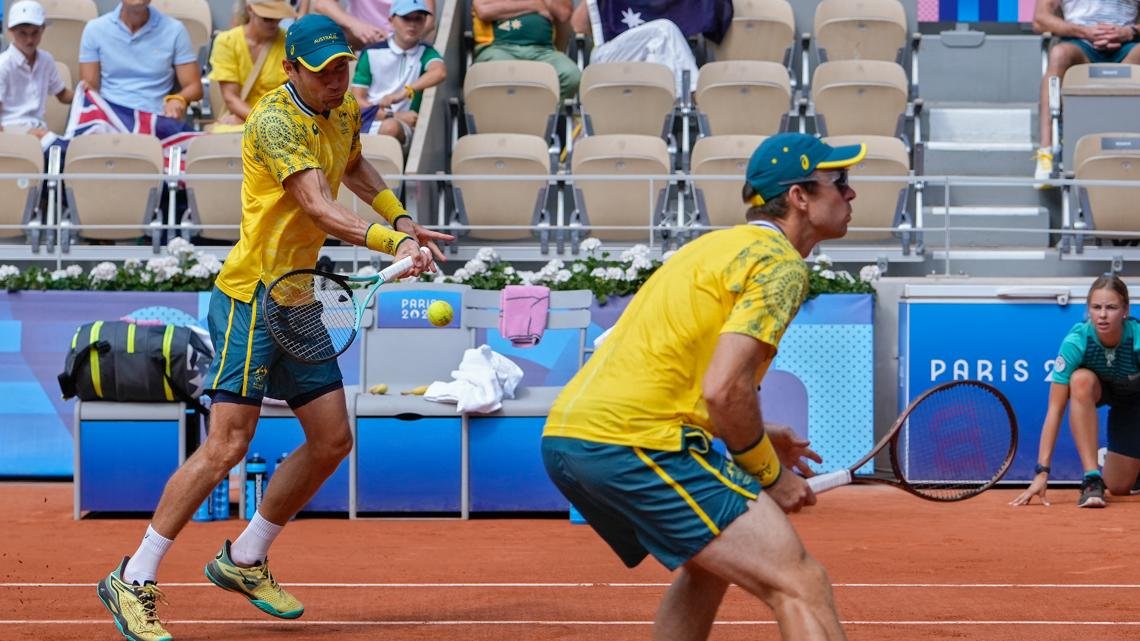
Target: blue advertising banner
1010, 345
408, 308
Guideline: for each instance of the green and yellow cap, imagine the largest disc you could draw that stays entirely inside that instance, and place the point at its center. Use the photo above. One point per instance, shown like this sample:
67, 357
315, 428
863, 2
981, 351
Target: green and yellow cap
315, 41
789, 158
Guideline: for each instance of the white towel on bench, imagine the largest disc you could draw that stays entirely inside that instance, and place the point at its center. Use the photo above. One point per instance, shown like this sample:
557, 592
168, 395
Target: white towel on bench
483, 379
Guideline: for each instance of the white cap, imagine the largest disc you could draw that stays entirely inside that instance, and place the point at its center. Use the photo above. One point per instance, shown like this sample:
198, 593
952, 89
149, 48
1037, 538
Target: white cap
26, 12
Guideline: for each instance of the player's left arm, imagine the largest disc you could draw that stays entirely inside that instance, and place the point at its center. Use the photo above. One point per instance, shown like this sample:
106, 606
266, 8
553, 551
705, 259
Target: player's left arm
368, 185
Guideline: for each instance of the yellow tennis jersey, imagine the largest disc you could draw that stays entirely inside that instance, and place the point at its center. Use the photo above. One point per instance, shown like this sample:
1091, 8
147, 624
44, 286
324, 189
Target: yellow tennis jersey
644, 382
282, 137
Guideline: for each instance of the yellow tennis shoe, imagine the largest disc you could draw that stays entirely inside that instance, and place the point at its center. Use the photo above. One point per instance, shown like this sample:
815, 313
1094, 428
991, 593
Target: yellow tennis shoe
133, 606
256, 584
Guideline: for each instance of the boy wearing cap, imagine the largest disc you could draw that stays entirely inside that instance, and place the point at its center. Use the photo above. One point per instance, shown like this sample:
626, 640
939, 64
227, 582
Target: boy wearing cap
256, 46
628, 441
301, 141
391, 76
27, 73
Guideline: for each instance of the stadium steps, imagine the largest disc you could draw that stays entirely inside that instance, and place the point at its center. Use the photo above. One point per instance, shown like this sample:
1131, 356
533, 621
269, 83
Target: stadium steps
986, 141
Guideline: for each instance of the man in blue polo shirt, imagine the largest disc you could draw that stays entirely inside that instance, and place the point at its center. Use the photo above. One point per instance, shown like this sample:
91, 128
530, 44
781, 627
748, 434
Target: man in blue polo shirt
133, 54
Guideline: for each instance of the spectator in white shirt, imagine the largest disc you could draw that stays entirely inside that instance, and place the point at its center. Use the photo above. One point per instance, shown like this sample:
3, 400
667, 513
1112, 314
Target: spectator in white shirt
27, 73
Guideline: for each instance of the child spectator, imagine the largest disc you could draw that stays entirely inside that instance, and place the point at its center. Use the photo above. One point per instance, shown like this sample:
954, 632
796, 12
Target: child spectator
27, 73
392, 75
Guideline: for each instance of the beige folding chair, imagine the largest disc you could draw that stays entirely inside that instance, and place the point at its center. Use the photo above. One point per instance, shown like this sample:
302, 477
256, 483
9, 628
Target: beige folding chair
638, 204
386, 155
66, 19
511, 96
760, 30
719, 202
627, 98
215, 202
1108, 156
743, 97
20, 153
501, 203
878, 204
194, 14
131, 202
860, 30
859, 97
55, 112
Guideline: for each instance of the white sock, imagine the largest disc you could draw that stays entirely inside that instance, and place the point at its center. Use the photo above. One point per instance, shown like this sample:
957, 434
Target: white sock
143, 564
251, 547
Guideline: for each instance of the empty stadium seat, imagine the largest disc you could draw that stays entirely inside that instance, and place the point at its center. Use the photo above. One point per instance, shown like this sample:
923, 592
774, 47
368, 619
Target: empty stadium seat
386, 155
719, 202
878, 204
56, 112
20, 153
1108, 156
66, 19
132, 202
760, 30
860, 30
628, 98
866, 97
511, 96
215, 202
501, 203
1097, 98
743, 97
638, 204
195, 16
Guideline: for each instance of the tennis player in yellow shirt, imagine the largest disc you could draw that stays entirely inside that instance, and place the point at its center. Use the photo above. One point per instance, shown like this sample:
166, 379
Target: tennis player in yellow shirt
301, 142
628, 441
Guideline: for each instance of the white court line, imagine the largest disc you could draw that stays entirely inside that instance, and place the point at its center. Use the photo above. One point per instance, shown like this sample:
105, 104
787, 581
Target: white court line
204, 584
310, 622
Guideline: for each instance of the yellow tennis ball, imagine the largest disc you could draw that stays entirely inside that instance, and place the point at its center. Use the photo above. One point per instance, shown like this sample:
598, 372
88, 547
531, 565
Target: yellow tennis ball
440, 313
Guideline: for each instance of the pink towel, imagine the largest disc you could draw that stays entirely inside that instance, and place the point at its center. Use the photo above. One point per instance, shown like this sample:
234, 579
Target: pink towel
522, 315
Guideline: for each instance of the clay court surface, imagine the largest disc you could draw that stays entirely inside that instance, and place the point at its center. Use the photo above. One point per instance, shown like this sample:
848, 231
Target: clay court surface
903, 569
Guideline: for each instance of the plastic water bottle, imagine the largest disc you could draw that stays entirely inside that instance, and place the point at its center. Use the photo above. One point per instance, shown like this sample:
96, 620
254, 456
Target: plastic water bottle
255, 474
205, 511
221, 500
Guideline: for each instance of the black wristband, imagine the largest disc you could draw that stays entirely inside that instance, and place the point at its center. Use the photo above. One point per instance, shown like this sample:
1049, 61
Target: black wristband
1039, 468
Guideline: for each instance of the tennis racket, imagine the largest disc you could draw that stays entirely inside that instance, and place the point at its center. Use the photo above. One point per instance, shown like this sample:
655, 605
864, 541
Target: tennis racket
953, 442
314, 316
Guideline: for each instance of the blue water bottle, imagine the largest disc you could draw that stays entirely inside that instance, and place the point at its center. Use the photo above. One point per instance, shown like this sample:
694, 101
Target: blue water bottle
221, 500
205, 511
255, 474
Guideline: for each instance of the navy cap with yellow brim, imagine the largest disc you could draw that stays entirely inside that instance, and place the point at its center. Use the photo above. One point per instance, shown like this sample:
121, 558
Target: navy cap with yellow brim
789, 158
314, 41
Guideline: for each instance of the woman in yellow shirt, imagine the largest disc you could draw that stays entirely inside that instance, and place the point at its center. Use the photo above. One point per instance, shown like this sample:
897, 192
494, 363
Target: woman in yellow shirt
234, 57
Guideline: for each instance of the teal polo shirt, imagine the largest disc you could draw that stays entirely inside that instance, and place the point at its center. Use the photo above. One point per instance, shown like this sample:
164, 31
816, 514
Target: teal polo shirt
137, 69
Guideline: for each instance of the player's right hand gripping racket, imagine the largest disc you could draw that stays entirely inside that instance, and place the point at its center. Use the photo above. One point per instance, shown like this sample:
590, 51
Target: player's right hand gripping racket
953, 442
315, 315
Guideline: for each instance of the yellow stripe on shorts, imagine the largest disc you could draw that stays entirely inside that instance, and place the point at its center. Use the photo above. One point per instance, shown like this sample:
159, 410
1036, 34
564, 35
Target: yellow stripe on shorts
249, 347
721, 477
678, 489
225, 345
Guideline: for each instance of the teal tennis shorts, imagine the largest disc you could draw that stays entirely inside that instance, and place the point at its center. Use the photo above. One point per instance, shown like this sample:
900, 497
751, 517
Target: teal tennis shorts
248, 363
668, 504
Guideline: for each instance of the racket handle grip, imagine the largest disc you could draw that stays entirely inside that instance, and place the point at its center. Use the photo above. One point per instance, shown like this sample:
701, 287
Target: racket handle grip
829, 481
400, 266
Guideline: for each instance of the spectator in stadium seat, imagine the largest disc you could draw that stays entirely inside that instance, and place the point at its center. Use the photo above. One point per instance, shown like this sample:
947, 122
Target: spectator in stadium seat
628, 441
1098, 364
391, 76
525, 30
366, 22
1089, 31
133, 55
659, 40
236, 52
27, 73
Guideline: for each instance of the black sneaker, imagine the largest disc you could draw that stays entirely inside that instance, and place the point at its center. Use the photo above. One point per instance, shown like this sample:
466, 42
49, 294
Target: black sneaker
1092, 492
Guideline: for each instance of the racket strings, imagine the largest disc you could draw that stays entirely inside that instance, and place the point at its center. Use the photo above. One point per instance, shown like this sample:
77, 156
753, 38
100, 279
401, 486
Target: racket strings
956, 443
313, 317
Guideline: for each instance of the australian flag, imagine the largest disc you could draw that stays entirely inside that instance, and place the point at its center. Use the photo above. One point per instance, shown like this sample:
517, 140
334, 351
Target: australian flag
92, 114
694, 17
